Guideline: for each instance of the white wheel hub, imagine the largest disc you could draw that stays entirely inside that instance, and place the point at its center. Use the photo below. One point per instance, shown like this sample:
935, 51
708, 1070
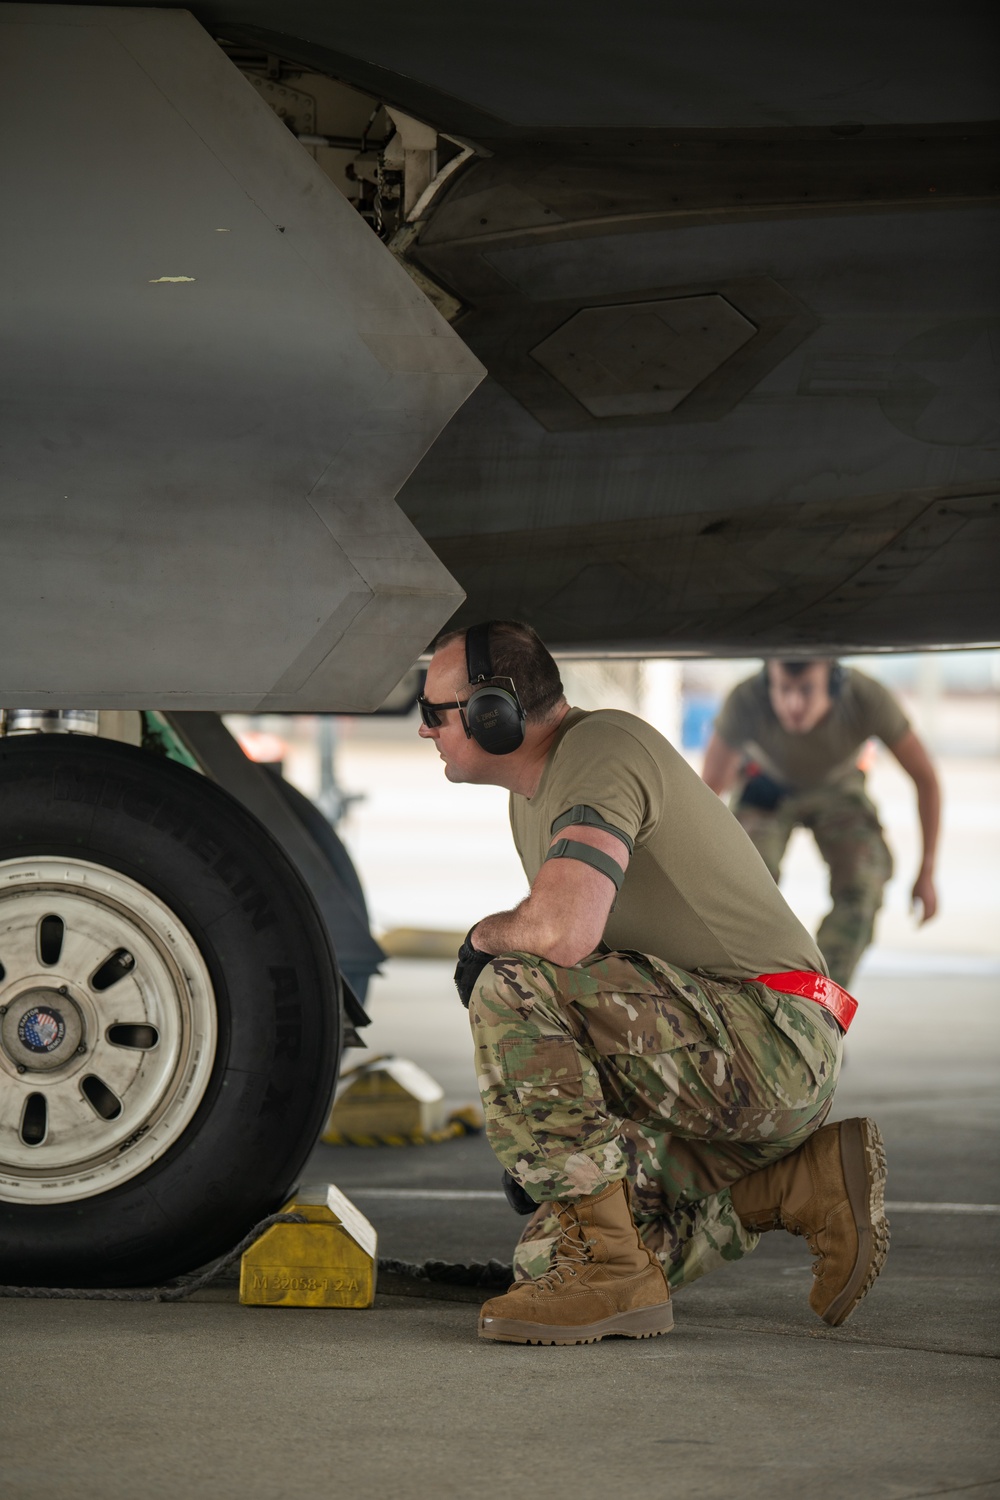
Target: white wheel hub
107, 1029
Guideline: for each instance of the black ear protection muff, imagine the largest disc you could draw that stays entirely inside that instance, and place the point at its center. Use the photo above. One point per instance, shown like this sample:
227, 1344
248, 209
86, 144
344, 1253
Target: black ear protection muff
835, 682
493, 714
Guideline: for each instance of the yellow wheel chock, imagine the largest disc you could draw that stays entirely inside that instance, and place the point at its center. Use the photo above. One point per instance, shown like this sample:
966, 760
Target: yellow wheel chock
390, 1101
329, 1261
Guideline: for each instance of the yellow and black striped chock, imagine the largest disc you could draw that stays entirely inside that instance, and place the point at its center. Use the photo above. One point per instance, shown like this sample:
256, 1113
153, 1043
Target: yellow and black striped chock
390, 1101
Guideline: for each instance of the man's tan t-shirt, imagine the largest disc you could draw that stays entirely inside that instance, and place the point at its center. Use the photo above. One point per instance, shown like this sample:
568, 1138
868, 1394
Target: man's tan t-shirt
696, 892
861, 710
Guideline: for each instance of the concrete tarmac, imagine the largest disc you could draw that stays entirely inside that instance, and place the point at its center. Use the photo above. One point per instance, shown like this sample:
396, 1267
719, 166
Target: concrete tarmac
750, 1395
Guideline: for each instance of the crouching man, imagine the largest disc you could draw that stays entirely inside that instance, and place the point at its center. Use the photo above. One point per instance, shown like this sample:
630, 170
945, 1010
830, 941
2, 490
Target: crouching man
657, 1042
790, 737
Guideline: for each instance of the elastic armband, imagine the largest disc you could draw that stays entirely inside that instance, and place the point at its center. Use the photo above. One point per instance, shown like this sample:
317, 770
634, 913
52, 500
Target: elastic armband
590, 818
588, 855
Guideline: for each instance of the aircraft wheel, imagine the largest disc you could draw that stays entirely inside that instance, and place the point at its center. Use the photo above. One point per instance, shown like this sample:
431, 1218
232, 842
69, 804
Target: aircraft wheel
170, 1019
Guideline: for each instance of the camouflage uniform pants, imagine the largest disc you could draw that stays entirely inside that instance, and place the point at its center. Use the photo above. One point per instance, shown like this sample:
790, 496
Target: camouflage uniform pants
845, 825
626, 1066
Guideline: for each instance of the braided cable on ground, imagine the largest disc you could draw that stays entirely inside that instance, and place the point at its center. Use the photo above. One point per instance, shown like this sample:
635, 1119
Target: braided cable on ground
172, 1291
488, 1275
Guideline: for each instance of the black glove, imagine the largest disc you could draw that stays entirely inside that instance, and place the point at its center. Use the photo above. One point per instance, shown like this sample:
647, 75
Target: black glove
761, 791
471, 964
516, 1196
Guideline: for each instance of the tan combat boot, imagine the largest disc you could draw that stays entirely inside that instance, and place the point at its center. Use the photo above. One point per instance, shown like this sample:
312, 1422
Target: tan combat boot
602, 1281
832, 1191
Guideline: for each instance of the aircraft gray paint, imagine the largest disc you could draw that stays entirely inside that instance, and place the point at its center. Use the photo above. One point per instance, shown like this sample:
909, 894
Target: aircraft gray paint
733, 279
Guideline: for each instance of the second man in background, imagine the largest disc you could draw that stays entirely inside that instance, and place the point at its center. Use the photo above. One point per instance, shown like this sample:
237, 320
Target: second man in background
789, 738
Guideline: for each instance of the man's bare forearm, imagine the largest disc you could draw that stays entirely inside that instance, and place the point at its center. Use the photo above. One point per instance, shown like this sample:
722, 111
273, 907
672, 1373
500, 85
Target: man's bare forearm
524, 931
561, 934
502, 932
929, 813
563, 917
912, 755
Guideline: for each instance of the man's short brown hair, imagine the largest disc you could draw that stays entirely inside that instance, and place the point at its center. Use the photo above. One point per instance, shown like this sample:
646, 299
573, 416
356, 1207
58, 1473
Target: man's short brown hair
517, 652
795, 667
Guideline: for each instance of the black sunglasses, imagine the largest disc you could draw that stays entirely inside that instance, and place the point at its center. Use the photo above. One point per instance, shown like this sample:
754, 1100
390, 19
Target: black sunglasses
429, 711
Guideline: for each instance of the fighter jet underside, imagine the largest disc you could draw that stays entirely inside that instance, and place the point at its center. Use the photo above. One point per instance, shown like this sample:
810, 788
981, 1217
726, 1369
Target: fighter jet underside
734, 287
741, 331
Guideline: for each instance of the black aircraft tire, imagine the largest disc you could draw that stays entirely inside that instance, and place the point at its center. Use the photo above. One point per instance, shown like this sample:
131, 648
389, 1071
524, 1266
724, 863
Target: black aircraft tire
326, 840
276, 997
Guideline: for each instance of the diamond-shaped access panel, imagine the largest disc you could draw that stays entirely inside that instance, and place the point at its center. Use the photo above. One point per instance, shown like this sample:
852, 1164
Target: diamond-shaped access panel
643, 358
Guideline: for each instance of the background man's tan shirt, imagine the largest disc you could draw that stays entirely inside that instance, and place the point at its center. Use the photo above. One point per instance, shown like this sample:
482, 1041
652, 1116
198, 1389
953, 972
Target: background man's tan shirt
696, 893
862, 710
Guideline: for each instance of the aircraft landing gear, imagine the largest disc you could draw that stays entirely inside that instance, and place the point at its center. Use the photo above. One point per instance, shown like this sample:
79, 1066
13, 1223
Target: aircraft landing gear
171, 1016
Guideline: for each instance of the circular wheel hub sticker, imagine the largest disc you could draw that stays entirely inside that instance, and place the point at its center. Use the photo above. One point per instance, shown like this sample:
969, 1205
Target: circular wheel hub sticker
41, 1029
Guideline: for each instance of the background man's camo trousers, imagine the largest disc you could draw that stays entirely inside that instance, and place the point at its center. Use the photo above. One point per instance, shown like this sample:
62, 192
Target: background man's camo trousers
626, 1066
845, 825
